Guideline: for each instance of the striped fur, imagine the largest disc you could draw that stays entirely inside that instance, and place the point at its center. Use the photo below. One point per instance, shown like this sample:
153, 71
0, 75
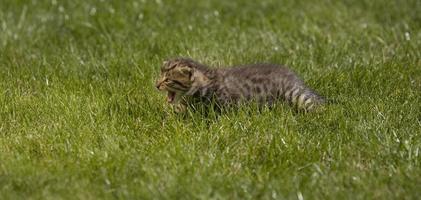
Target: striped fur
187, 80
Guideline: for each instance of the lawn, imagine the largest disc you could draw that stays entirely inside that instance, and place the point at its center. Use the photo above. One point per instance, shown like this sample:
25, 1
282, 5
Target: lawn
80, 117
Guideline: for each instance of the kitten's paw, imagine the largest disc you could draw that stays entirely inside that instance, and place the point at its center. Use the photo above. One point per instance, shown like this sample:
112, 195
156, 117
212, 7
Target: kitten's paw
179, 108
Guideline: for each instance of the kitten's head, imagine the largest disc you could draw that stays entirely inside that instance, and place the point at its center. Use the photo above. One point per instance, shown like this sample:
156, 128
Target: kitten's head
180, 77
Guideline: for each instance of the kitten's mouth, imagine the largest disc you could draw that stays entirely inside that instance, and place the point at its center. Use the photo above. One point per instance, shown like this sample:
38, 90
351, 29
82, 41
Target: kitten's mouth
170, 97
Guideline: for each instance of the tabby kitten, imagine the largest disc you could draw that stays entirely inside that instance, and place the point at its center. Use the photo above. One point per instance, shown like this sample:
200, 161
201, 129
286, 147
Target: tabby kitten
188, 81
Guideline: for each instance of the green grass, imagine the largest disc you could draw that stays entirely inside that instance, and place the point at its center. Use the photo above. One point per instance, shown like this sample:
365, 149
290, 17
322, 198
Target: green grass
80, 118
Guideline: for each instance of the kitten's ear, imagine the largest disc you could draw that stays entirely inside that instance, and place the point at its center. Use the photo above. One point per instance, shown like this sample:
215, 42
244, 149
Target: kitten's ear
168, 64
164, 66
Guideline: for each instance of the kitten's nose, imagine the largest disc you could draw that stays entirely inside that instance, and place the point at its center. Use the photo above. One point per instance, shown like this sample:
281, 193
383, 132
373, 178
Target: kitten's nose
158, 85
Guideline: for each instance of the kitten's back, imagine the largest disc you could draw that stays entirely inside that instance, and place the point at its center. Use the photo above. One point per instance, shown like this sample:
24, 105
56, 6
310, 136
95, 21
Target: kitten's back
266, 83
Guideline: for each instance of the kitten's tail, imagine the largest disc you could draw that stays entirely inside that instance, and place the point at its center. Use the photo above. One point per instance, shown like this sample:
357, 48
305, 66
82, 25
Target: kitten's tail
304, 98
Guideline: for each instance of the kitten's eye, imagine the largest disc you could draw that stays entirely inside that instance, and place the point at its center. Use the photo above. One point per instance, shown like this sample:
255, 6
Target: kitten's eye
166, 80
